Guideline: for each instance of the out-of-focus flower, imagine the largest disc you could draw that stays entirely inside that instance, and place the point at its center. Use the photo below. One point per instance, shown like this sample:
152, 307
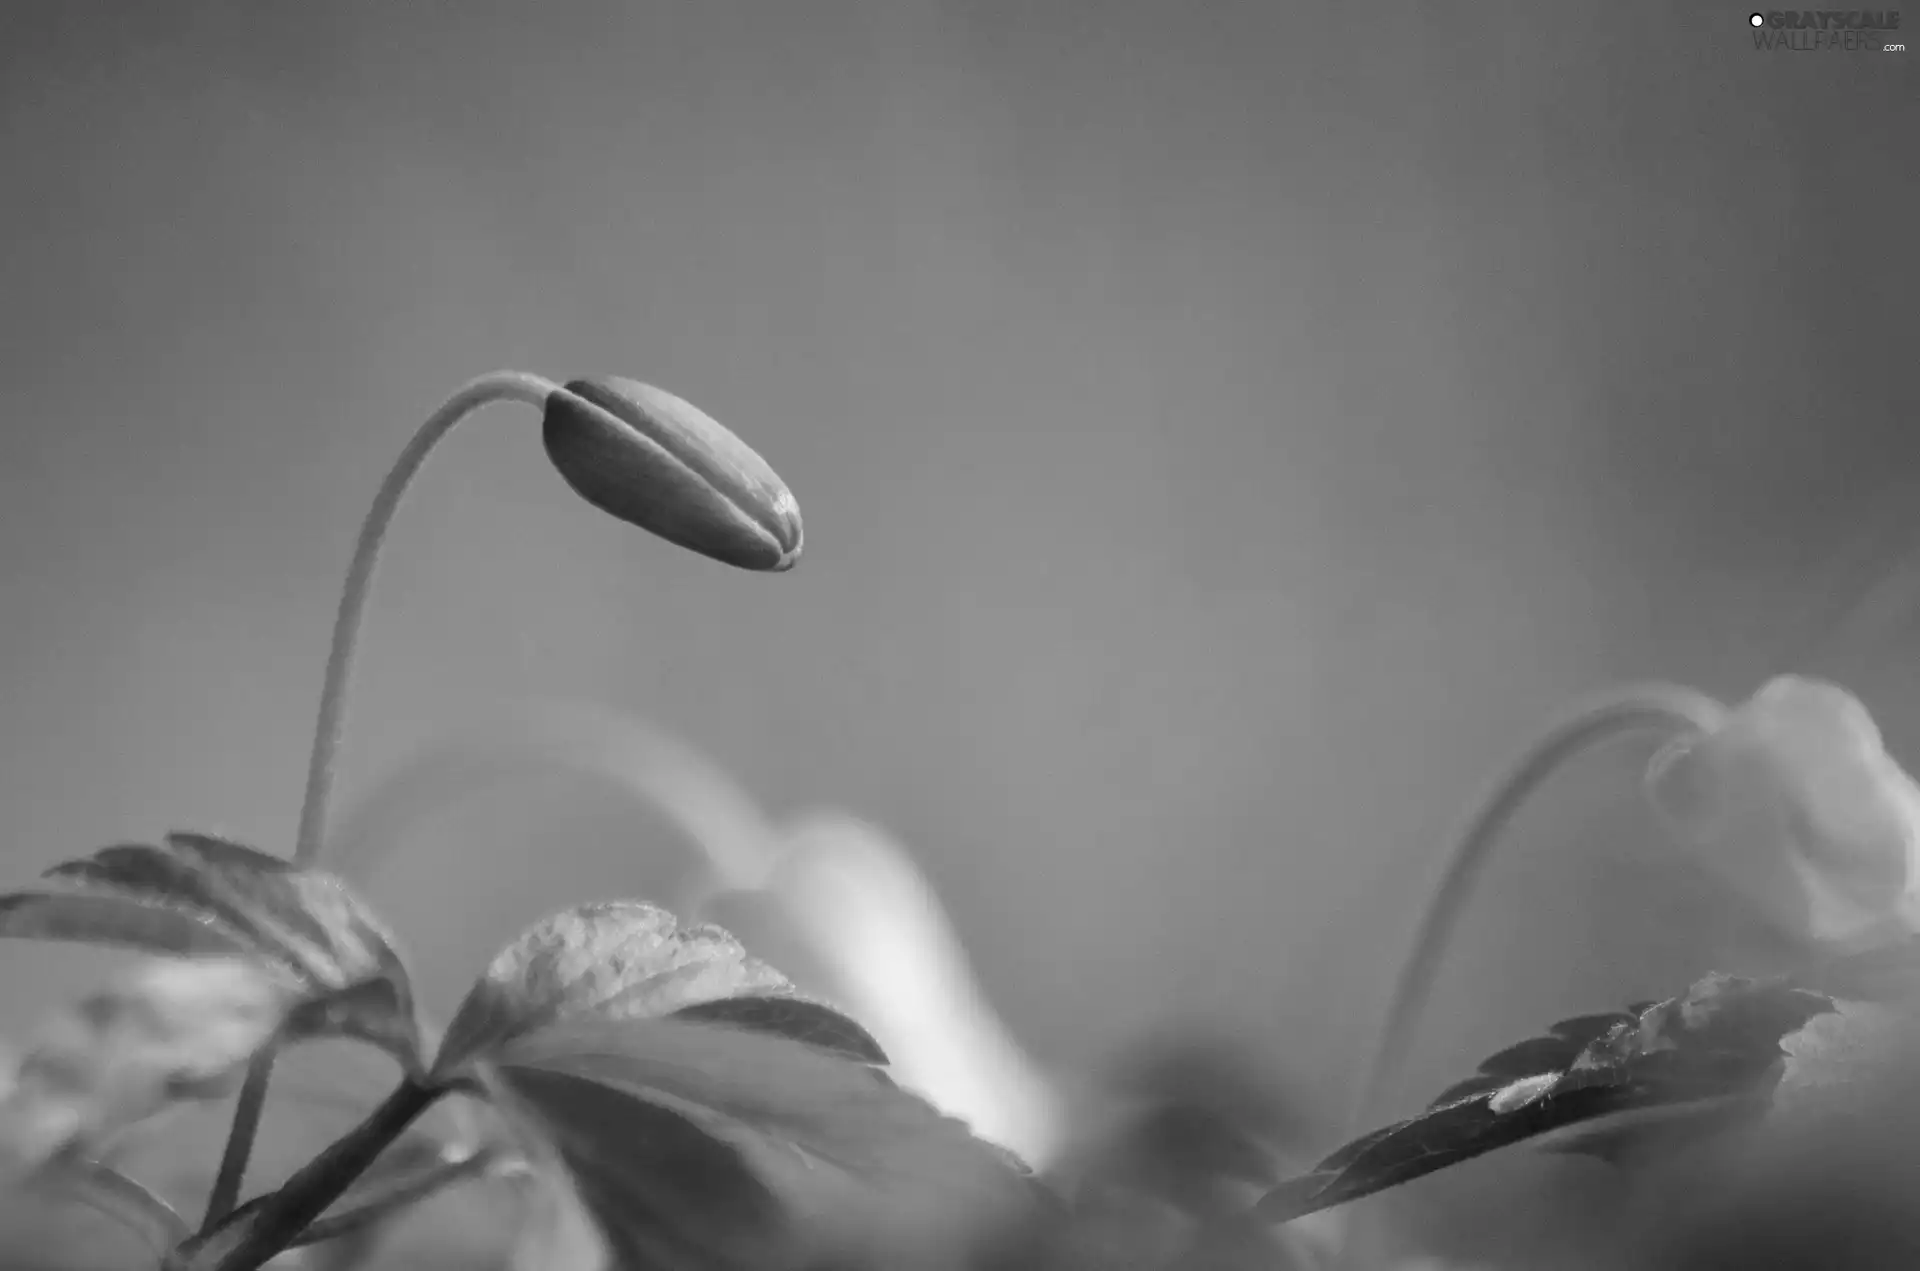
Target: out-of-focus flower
1796, 803
168, 1031
835, 903
873, 923
663, 464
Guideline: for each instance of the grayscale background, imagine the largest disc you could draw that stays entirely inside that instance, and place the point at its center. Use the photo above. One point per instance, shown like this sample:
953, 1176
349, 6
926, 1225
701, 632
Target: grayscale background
1225, 433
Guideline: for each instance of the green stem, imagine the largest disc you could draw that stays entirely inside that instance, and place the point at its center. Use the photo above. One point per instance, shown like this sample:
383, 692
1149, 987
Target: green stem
390, 1197
1631, 709
270, 1225
500, 386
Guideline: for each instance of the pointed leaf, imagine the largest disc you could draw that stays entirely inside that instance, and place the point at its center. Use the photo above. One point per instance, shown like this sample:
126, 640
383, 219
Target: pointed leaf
197, 894
109, 1192
701, 1146
1443, 1137
1687, 1064
628, 959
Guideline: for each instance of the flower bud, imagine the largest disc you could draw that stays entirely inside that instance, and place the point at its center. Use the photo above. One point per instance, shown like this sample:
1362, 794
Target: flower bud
1797, 803
655, 461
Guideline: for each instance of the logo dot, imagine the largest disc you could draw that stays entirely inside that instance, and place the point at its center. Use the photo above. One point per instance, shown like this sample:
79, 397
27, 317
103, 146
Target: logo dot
1756, 19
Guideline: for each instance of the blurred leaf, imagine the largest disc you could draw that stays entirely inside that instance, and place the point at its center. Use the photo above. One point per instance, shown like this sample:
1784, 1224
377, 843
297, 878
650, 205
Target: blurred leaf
625, 959
1685, 1064
164, 1031
1882, 973
698, 1145
200, 895
555, 1232
107, 1191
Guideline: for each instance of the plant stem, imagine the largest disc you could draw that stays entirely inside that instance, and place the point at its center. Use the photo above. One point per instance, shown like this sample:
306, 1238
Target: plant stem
500, 386
276, 1221
1630, 709
393, 1196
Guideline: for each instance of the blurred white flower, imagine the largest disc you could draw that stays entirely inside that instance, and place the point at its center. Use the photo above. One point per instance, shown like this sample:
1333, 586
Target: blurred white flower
1796, 803
854, 918
873, 924
167, 1031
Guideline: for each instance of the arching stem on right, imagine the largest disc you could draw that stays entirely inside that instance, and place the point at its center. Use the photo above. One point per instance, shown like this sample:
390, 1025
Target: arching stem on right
1636, 708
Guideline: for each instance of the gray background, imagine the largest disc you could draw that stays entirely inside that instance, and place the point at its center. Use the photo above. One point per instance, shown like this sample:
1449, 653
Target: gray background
1225, 431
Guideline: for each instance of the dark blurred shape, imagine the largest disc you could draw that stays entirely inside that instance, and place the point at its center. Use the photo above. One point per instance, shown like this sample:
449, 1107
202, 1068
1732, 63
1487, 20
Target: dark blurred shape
663, 464
1194, 1133
1201, 1114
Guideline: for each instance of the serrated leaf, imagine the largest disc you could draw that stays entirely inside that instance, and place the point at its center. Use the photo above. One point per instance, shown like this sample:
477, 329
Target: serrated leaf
196, 894
626, 959
1554, 1052
696, 1145
307, 920
1687, 1064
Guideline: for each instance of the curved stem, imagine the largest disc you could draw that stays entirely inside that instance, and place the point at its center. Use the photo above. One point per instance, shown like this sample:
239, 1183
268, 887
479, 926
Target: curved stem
500, 386
1631, 709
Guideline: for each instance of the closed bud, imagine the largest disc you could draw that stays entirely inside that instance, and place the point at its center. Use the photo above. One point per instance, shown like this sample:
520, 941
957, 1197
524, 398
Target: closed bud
663, 464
